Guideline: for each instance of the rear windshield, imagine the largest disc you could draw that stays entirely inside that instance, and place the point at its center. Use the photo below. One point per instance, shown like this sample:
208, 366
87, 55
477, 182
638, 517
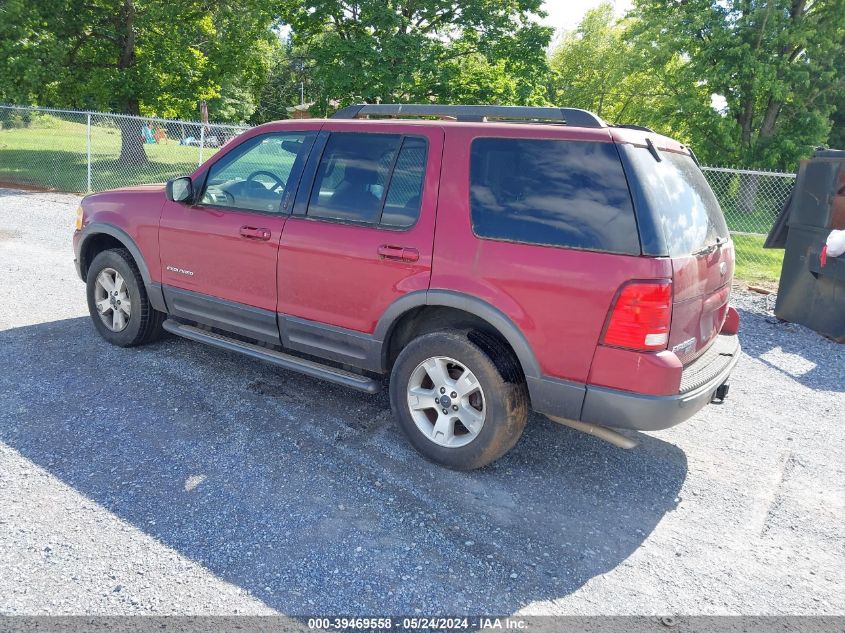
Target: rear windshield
571, 194
686, 207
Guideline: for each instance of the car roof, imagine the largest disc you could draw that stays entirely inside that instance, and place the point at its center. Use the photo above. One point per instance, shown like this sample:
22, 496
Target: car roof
607, 133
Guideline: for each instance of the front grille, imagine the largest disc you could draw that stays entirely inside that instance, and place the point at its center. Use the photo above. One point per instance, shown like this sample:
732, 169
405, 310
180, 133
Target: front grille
704, 368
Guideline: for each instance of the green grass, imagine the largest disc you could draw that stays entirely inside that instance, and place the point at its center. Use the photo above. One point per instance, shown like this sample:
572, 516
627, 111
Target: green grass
758, 220
754, 264
51, 154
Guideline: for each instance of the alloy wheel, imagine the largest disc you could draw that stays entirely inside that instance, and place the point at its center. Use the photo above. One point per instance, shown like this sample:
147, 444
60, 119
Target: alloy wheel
111, 297
446, 401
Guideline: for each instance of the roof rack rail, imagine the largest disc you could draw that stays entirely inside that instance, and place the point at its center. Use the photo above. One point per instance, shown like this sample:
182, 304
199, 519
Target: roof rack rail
479, 113
633, 126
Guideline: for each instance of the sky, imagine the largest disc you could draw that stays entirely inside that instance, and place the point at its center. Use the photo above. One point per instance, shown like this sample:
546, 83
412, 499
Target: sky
566, 14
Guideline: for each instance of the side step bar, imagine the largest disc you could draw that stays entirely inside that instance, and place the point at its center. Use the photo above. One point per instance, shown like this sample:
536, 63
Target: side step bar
303, 366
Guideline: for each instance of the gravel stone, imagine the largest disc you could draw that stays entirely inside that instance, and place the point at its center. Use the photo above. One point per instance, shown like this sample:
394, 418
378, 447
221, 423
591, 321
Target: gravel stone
196, 481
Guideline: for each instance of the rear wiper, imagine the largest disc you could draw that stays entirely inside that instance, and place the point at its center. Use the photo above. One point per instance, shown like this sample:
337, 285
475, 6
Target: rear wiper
720, 241
705, 250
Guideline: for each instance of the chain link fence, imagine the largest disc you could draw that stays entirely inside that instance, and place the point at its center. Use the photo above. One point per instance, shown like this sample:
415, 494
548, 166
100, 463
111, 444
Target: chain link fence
751, 201
74, 151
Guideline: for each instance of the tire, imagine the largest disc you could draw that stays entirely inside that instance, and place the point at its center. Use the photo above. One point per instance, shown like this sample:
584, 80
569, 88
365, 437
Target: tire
502, 405
142, 324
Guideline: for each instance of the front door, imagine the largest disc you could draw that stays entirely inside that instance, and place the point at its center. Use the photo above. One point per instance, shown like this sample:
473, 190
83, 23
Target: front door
219, 255
362, 230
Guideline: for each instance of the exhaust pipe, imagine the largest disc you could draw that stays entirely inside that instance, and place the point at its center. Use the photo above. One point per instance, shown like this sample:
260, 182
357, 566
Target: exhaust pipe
601, 432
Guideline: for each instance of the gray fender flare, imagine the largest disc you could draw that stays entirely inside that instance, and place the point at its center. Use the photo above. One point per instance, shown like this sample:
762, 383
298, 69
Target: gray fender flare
477, 307
101, 228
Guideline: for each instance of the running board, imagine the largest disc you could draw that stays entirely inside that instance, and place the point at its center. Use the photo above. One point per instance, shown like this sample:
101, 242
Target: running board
287, 361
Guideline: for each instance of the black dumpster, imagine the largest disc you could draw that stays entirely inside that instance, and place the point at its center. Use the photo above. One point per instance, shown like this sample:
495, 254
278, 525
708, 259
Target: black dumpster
809, 293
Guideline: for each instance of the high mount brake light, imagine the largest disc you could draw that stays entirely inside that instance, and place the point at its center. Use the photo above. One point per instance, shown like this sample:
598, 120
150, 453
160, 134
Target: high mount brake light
641, 316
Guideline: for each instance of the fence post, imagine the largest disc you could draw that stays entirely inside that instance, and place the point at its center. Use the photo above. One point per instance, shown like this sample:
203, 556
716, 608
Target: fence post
88, 150
202, 142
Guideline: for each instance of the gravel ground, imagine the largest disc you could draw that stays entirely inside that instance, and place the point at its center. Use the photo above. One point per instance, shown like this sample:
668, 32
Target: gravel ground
177, 478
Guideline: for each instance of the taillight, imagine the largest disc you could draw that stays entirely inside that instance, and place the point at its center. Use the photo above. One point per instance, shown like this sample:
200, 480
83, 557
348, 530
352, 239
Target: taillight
641, 316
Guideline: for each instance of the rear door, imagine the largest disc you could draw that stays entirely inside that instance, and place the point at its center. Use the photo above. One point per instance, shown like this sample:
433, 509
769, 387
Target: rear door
362, 230
698, 242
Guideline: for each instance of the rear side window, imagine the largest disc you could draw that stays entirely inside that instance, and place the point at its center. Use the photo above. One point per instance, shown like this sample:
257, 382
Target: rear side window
402, 204
369, 179
557, 193
686, 207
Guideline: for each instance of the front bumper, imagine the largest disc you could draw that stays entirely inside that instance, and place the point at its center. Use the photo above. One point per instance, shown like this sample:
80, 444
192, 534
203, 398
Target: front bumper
701, 380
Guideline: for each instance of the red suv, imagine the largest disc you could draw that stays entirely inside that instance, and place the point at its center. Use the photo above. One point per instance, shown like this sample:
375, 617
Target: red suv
490, 259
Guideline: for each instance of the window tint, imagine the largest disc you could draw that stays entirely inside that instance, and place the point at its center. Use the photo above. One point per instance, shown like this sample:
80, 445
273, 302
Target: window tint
351, 177
402, 204
688, 210
558, 193
254, 175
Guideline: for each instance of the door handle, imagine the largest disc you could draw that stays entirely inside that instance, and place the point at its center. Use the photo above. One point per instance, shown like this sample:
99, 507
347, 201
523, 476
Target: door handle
398, 253
254, 233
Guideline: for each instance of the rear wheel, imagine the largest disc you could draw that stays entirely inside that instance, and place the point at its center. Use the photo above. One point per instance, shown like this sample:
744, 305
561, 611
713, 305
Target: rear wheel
118, 302
452, 402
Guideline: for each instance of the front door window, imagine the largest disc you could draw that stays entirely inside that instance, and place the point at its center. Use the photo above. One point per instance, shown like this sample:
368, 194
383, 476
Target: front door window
254, 176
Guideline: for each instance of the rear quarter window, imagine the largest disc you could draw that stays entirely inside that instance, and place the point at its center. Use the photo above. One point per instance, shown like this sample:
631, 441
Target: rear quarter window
569, 194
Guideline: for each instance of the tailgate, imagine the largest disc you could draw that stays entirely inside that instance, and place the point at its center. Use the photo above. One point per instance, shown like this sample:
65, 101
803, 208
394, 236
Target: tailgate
693, 232
702, 290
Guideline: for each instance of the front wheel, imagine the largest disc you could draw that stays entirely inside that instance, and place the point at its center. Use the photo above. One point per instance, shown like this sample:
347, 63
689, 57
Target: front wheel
452, 402
118, 302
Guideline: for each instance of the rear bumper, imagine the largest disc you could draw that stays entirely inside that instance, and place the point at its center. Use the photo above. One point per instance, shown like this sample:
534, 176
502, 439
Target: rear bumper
626, 410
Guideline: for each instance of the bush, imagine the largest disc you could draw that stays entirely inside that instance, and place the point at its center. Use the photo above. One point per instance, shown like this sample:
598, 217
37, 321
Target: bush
16, 119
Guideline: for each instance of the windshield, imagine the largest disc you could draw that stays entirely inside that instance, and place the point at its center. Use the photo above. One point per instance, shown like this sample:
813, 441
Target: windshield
688, 211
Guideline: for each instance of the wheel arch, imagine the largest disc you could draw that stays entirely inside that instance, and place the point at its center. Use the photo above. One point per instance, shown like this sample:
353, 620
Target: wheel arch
99, 236
411, 304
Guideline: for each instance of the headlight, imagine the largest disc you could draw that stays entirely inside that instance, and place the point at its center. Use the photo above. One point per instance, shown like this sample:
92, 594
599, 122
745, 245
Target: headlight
79, 214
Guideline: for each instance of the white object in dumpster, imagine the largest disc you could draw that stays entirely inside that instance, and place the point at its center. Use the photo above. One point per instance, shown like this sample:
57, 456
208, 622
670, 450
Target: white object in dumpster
835, 246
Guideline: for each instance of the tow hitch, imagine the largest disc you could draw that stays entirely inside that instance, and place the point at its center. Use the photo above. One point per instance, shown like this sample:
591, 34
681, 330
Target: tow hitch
720, 394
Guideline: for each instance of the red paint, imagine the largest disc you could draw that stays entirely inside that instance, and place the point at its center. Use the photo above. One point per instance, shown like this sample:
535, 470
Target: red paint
208, 243
702, 292
338, 273
657, 374
731, 325
559, 298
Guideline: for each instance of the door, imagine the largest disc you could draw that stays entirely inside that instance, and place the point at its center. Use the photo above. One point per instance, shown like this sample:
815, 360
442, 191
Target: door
362, 230
219, 255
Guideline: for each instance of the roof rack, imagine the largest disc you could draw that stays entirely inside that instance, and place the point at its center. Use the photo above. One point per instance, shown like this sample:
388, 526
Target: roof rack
479, 113
632, 126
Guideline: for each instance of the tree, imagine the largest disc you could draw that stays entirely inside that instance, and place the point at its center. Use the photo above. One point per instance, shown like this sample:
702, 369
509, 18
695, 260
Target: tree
140, 57
774, 61
603, 67
289, 82
422, 50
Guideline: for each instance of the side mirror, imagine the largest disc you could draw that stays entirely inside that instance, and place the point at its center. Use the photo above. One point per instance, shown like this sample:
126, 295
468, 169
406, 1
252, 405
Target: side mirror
180, 189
